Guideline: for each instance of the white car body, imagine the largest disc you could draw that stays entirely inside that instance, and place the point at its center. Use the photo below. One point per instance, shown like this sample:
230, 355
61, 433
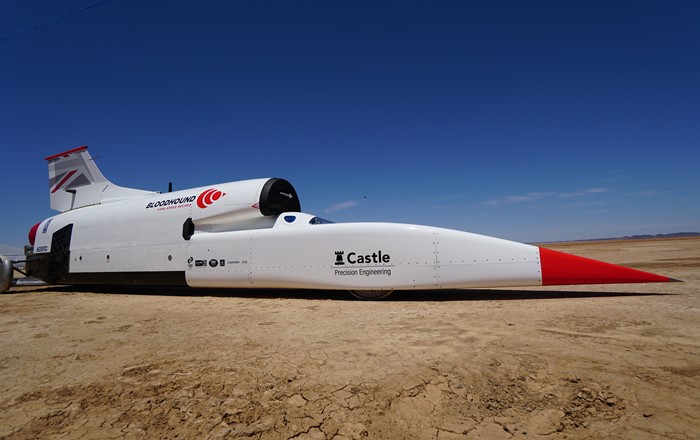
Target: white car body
250, 234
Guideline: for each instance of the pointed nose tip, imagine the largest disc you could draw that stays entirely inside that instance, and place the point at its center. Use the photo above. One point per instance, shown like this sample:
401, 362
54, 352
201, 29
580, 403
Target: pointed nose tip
559, 268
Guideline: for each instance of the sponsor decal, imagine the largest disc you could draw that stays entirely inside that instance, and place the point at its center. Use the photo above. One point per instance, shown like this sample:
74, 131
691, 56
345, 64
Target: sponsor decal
46, 226
355, 258
174, 203
208, 197
362, 272
204, 263
374, 264
42, 249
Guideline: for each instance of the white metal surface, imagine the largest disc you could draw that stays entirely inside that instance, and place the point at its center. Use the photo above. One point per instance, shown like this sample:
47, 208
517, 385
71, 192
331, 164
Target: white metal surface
146, 233
76, 182
357, 256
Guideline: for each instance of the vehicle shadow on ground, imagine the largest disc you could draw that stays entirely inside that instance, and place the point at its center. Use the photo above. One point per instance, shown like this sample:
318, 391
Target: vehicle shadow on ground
341, 295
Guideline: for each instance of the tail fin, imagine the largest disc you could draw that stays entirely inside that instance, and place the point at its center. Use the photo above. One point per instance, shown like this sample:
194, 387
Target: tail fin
75, 181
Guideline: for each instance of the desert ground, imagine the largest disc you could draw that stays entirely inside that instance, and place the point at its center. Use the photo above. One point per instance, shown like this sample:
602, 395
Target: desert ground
610, 361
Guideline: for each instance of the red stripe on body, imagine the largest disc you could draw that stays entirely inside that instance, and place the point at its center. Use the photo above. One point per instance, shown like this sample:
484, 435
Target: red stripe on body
32, 233
66, 153
60, 184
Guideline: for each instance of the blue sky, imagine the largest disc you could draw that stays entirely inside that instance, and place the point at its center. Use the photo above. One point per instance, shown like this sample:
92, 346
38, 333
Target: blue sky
526, 120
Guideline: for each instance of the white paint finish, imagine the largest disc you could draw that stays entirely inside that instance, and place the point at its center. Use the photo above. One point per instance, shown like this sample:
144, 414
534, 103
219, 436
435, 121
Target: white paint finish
46, 228
133, 236
471, 260
129, 259
307, 255
234, 245
75, 181
300, 255
236, 210
139, 234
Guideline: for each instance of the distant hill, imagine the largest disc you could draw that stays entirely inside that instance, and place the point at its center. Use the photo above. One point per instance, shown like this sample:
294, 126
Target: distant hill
641, 237
647, 236
9, 250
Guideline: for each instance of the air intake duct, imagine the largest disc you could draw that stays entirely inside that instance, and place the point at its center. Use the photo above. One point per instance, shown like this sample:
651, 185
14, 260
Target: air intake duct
278, 196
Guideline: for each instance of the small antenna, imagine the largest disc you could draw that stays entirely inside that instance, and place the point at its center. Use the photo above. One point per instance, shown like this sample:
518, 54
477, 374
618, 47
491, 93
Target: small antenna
170, 187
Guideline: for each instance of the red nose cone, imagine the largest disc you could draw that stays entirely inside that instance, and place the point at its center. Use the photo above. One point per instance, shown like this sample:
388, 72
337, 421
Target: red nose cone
32, 233
559, 268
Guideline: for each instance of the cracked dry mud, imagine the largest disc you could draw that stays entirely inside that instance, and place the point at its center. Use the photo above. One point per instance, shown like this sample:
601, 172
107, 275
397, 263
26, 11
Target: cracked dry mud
574, 362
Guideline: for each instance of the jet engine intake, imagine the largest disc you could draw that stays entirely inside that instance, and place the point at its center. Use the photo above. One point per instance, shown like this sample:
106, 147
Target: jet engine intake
278, 196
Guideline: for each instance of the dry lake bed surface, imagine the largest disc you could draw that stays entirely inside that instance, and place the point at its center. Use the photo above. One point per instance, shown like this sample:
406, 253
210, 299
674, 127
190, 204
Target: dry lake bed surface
610, 361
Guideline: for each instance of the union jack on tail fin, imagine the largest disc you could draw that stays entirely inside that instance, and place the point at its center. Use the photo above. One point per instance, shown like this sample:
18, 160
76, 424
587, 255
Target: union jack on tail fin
75, 182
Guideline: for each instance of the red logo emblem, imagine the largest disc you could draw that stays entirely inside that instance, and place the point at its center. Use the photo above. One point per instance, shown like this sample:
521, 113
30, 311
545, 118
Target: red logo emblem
208, 197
